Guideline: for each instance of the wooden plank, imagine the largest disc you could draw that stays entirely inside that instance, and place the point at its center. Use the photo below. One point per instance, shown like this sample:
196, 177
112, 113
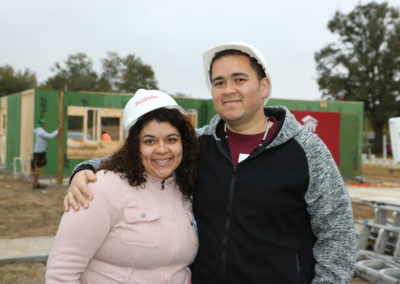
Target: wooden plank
3, 130
110, 112
27, 125
61, 143
76, 111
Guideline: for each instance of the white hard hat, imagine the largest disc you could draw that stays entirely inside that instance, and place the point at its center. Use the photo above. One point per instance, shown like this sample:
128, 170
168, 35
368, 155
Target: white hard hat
144, 101
237, 45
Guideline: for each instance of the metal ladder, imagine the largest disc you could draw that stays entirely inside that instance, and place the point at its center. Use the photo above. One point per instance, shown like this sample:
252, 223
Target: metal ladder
378, 258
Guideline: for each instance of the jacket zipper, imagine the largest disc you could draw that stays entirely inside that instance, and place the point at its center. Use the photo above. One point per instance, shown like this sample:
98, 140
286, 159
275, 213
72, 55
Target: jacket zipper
225, 238
299, 272
227, 224
229, 207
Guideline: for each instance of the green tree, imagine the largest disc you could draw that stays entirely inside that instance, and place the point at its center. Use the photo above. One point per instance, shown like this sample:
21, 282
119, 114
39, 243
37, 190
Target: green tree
76, 74
109, 79
126, 74
364, 64
181, 95
15, 81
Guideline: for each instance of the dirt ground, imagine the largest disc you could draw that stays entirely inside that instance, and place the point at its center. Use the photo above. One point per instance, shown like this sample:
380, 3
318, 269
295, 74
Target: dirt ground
28, 213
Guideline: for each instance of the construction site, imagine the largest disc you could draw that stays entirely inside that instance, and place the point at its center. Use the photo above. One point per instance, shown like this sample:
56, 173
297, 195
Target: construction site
30, 217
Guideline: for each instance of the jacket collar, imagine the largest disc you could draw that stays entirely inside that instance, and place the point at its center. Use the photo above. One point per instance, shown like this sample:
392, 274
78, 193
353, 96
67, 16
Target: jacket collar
288, 126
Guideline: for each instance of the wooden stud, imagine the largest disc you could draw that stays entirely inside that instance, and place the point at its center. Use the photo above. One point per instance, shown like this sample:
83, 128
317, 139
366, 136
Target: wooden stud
61, 142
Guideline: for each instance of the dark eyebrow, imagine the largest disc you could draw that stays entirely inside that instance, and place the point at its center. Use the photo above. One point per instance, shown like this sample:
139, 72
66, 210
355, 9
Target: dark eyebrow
237, 74
152, 136
172, 134
148, 136
216, 79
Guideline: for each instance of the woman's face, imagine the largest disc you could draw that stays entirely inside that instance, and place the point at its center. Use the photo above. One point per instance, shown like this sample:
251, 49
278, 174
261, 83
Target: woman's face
160, 148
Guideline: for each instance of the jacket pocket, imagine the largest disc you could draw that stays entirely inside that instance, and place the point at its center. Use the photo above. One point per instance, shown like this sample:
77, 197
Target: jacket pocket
183, 276
141, 227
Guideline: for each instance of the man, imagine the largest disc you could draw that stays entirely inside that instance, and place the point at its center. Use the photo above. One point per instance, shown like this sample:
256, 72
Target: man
270, 203
39, 151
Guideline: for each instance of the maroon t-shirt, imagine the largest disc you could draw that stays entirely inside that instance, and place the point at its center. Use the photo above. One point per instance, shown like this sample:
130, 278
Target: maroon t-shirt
242, 145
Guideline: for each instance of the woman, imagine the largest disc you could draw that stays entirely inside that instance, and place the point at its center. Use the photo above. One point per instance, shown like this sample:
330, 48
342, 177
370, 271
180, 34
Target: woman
140, 227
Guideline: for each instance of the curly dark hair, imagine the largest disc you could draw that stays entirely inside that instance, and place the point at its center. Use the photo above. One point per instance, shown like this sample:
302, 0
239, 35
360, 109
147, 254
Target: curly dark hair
127, 160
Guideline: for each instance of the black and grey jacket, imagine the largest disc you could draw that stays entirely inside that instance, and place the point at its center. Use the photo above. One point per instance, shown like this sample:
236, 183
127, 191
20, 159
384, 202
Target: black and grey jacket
283, 215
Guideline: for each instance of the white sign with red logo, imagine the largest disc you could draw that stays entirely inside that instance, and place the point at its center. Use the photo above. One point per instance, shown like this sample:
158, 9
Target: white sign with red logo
326, 125
310, 123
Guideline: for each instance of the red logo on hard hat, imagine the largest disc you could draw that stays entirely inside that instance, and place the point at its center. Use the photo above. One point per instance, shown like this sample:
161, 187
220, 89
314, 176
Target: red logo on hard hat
145, 99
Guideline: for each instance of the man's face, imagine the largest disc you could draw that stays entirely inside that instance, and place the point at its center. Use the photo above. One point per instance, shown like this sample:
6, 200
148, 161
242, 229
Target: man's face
238, 94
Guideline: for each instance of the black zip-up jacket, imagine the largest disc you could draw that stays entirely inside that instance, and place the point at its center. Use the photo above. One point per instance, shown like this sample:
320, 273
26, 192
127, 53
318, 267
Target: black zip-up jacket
281, 216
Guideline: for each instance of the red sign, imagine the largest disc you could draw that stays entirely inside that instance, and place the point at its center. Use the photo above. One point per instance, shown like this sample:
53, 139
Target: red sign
326, 125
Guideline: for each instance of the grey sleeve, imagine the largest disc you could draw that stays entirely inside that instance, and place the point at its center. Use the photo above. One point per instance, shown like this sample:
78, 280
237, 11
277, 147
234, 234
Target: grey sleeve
89, 164
331, 216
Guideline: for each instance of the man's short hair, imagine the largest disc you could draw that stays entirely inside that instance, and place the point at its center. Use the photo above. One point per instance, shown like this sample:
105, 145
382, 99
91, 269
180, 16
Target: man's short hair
234, 52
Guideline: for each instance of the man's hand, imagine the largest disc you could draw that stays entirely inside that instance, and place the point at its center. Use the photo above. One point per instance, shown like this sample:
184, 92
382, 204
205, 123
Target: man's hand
78, 191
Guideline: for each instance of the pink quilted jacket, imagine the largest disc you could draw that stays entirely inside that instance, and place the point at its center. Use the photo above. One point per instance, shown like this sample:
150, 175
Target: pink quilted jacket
128, 235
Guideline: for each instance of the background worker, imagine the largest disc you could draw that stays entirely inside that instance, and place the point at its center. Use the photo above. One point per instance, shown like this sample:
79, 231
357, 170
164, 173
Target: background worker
105, 136
270, 203
39, 151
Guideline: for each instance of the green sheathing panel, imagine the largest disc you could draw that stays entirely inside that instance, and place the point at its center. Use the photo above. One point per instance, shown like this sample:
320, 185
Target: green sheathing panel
210, 112
350, 150
88, 100
46, 107
204, 108
351, 129
95, 100
13, 129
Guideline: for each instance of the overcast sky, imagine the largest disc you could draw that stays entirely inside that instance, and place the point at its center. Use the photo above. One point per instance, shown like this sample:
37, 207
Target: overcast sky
171, 35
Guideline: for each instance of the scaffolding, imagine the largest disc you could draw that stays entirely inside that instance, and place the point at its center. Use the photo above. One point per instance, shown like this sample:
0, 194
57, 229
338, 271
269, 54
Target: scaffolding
378, 258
